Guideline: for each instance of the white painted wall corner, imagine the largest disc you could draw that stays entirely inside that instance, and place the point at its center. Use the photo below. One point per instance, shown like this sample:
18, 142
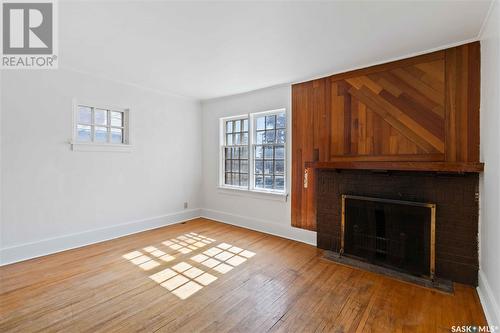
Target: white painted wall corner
490, 306
268, 227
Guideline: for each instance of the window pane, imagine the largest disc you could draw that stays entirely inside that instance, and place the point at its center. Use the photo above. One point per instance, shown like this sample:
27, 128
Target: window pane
280, 136
237, 126
259, 152
268, 152
228, 179
244, 138
243, 180
236, 139
270, 122
227, 153
236, 179
259, 182
270, 136
279, 152
101, 134
279, 183
279, 166
83, 133
100, 117
236, 153
229, 139
116, 118
268, 182
84, 114
243, 152
245, 125
268, 167
244, 166
228, 165
281, 120
259, 166
261, 123
260, 137
116, 135
229, 127
236, 166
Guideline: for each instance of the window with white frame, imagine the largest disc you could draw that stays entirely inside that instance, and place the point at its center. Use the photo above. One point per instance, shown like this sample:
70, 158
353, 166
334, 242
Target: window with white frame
254, 151
101, 125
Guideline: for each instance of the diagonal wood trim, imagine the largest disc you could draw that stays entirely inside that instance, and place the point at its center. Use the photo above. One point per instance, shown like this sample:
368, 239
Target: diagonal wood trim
360, 81
408, 127
416, 95
434, 69
419, 85
425, 117
432, 79
386, 85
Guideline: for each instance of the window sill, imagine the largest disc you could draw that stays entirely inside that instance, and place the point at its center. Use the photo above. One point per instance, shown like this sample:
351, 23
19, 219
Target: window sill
267, 195
104, 147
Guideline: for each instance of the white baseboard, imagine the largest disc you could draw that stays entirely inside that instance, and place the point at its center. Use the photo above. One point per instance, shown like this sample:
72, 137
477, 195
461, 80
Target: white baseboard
48, 246
488, 301
44, 247
268, 227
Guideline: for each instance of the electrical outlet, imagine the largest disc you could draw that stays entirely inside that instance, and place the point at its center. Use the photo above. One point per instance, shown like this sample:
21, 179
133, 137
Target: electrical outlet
185, 205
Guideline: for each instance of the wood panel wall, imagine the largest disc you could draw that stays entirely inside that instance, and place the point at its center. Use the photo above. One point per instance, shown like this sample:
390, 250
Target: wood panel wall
424, 108
309, 112
399, 111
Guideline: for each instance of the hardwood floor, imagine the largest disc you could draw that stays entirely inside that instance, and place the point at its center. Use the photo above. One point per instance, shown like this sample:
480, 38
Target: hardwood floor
270, 284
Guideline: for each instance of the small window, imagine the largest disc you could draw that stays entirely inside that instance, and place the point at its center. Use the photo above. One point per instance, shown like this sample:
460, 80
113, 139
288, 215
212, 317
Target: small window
101, 125
254, 152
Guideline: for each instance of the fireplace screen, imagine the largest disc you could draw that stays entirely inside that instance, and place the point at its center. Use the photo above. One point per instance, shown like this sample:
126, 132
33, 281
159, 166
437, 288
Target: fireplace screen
390, 233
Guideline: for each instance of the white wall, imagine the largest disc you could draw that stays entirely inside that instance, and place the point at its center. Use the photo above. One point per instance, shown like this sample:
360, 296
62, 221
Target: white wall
1, 185
54, 198
250, 210
489, 274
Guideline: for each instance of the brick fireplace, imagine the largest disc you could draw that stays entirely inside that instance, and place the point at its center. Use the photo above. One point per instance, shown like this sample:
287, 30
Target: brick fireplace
388, 220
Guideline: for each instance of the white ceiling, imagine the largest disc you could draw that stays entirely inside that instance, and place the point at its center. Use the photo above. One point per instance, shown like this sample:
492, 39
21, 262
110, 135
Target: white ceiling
211, 49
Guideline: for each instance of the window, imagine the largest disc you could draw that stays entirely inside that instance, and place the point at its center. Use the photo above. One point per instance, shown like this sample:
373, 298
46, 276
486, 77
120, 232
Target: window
100, 126
236, 153
254, 152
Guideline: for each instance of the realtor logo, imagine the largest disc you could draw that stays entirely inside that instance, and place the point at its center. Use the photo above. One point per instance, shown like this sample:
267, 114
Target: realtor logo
28, 34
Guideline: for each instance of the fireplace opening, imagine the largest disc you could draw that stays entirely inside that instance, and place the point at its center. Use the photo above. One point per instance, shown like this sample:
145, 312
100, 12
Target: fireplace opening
395, 234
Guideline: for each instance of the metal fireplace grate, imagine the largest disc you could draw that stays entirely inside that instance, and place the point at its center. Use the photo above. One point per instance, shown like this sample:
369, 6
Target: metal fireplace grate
393, 249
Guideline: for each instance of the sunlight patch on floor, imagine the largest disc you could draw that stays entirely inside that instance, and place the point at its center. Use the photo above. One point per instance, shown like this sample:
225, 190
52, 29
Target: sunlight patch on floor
184, 279
188, 242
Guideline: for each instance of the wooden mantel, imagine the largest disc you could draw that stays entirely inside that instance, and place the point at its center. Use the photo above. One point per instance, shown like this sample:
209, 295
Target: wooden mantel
415, 114
401, 166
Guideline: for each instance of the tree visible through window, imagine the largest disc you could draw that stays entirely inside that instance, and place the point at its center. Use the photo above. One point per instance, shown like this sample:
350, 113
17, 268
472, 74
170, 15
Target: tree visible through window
269, 151
256, 161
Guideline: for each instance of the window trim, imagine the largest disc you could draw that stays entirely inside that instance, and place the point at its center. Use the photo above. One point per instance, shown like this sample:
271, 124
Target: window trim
126, 146
251, 158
